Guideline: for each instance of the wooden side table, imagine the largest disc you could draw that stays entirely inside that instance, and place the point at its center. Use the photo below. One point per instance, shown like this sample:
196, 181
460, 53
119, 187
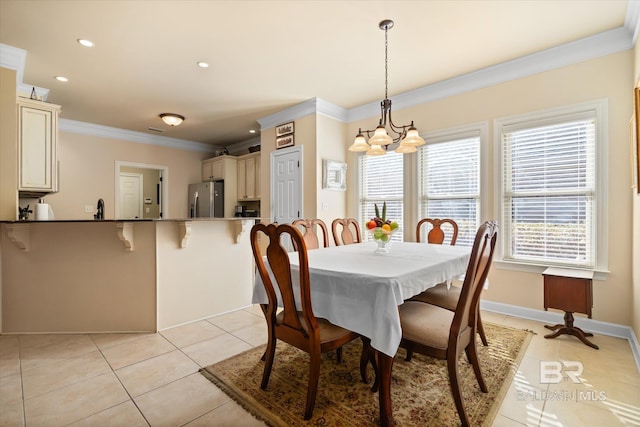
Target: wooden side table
570, 291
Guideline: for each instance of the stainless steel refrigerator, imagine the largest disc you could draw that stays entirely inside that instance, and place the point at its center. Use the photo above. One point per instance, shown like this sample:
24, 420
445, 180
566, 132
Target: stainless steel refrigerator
206, 199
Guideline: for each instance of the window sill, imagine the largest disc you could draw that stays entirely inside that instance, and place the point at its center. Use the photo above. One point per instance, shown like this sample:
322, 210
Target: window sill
539, 268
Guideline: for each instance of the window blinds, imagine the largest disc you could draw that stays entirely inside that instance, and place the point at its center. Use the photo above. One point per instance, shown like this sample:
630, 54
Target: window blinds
450, 184
381, 180
549, 192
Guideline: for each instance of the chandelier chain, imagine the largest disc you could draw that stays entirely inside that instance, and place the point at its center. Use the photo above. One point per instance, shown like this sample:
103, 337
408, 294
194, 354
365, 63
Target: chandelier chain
386, 65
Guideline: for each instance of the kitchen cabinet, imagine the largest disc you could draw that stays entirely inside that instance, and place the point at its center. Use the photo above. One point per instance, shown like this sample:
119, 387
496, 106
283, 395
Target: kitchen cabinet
249, 177
37, 146
219, 168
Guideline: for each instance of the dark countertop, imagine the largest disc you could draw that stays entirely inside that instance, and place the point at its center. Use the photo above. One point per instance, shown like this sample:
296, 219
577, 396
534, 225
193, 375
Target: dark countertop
135, 220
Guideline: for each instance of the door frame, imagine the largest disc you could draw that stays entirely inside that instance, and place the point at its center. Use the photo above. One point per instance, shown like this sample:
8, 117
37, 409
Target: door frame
272, 195
164, 193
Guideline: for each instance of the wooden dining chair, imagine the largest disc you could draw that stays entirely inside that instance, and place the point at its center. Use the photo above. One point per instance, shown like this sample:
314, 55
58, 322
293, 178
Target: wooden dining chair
299, 328
443, 295
443, 334
436, 233
349, 234
310, 237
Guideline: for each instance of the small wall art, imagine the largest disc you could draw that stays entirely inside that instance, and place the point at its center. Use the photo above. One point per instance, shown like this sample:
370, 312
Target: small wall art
284, 141
284, 129
334, 175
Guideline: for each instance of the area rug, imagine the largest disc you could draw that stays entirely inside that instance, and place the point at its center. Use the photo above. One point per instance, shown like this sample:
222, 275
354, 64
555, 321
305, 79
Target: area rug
420, 392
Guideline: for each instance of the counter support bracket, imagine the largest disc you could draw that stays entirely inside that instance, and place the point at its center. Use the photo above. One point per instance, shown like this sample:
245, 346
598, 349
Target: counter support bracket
241, 227
20, 235
125, 234
184, 231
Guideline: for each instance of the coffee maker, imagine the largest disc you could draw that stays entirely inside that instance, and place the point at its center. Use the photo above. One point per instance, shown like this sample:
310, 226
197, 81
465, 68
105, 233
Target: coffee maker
240, 210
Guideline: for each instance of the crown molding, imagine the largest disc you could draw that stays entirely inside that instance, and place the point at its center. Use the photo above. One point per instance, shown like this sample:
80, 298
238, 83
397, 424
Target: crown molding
606, 43
14, 58
305, 108
632, 19
73, 126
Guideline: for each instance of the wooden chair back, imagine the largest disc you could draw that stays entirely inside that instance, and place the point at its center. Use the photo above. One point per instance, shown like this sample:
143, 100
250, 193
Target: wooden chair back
437, 234
349, 234
465, 317
309, 235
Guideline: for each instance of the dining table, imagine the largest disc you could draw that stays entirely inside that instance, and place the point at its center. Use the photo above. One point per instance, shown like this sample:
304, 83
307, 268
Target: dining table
359, 289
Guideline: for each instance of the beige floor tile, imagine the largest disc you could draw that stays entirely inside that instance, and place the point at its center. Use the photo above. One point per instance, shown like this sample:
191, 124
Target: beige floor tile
75, 402
111, 340
254, 335
124, 414
502, 421
10, 390
229, 414
559, 413
149, 374
9, 355
45, 378
492, 317
215, 349
523, 402
36, 350
255, 310
236, 320
192, 333
12, 414
137, 350
181, 401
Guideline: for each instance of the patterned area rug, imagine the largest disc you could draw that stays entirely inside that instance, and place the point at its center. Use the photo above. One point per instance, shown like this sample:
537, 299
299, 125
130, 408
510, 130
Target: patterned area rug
420, 390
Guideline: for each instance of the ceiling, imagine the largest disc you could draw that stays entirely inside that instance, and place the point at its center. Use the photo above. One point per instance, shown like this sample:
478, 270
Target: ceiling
266, 56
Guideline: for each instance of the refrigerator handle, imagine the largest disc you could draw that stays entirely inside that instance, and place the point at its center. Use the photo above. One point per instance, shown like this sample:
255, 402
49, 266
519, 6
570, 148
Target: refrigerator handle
195, 205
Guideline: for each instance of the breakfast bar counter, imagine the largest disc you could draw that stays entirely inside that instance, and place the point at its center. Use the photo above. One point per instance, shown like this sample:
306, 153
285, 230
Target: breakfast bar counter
141, 275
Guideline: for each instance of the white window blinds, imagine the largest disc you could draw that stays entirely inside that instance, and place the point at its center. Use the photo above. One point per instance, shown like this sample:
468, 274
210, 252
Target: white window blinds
381, 180
449, 172
549, 185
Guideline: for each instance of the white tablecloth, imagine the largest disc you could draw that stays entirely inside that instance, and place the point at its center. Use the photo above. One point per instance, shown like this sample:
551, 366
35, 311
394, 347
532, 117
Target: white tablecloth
355, 288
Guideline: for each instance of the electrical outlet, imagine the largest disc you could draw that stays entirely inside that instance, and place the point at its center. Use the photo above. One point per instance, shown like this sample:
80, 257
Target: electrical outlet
88, 208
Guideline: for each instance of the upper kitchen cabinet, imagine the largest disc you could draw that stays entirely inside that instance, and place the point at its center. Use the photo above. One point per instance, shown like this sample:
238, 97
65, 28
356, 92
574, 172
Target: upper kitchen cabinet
249, 177
218, 168
37, 146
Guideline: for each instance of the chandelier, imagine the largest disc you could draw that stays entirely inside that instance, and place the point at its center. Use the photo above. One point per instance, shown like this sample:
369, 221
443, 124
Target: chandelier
406, 138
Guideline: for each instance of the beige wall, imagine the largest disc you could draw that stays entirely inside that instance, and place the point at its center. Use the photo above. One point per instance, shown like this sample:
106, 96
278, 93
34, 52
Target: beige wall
636, 222
330, 146
8, 146
87, 173
608, 77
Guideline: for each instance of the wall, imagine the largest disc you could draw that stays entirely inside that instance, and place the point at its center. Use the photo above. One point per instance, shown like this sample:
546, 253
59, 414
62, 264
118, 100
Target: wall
331, 204
87, 173
636, 222
8, 146
607, 77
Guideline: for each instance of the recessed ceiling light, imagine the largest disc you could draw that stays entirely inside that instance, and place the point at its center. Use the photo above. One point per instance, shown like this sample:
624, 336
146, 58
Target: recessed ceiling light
62, 79
202, 64
86, 43
252, 131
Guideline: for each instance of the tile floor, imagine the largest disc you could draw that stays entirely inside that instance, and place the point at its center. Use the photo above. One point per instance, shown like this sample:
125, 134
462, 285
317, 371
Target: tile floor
152, 379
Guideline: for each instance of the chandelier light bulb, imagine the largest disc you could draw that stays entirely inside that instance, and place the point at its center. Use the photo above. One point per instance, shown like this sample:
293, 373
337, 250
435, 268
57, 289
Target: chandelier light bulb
359, 144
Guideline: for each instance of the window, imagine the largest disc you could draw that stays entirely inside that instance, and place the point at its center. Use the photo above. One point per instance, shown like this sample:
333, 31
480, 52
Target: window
381, 180
449, 170
551, 203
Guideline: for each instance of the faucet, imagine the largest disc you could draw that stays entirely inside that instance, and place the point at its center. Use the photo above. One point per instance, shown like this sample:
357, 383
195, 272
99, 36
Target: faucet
100, 210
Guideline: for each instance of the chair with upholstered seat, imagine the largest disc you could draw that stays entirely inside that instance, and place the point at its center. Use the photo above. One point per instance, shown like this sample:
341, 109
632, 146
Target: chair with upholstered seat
437, 332
349, 234
299, 328
309, 234
443, 295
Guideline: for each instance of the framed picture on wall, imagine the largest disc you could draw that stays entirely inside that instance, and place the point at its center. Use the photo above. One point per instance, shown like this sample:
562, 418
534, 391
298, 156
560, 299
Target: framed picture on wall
334, 175
284, 129
284, 141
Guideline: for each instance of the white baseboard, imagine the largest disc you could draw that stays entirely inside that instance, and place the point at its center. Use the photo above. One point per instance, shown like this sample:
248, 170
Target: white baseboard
604, 328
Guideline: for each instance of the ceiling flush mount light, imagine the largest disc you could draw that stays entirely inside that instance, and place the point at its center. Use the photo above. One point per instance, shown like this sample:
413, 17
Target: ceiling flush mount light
172, 119
86, 43
405, 138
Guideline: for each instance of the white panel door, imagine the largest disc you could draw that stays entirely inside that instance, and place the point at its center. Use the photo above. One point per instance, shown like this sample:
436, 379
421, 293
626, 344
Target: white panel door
130, 195
286, 185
